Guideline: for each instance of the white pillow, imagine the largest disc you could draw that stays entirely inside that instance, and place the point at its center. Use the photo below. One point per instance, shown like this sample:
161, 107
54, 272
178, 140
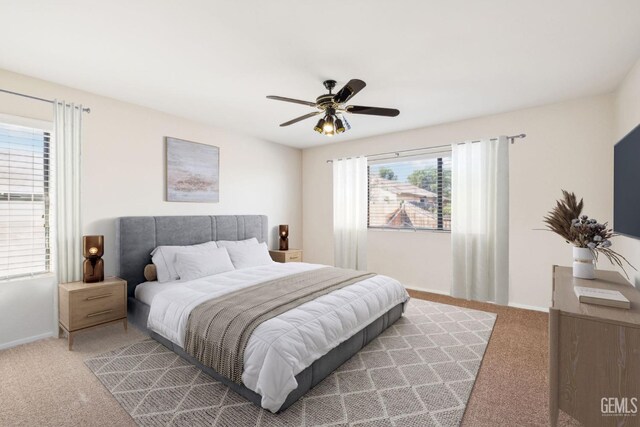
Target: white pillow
229, 243
164, 258
194, 265
246, 256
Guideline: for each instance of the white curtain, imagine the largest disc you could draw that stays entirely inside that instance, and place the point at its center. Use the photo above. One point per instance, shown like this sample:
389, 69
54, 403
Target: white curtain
480, 220
350, 212
67, 119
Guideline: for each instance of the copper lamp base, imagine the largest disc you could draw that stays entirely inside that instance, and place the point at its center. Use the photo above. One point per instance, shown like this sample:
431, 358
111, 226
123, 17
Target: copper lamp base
93, 270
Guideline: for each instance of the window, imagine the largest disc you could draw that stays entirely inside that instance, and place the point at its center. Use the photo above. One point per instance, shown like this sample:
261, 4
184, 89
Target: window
24, 201
412, 194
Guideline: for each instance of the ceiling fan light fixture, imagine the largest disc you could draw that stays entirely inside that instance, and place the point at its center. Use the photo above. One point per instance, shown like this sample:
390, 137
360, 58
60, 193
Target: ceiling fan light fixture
339, 125
320, 126
328, 126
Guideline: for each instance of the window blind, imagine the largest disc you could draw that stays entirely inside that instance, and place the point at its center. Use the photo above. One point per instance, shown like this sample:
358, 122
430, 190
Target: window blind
24, 201
412, 193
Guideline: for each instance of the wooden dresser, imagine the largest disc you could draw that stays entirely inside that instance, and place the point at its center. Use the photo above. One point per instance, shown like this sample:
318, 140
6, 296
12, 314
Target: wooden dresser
86, 305
594, 353
292, 255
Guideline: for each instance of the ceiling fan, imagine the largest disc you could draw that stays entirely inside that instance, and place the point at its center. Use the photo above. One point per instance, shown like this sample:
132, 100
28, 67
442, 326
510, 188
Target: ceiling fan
333, 108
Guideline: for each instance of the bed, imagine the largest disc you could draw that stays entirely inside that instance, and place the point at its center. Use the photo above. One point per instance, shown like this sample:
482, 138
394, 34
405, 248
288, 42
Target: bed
287, 355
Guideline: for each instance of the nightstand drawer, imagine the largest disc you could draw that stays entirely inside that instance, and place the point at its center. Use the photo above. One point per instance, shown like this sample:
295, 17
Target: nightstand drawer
96, 306
293, 256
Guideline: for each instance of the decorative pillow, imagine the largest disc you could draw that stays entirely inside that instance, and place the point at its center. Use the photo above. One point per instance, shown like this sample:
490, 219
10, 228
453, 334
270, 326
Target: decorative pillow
246, 256
229, 243
164, 258
150, 273
194, 265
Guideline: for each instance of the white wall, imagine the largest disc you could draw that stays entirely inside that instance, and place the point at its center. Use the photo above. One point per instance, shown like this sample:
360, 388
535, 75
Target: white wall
627, 114
123, 174
567, 147
26, 310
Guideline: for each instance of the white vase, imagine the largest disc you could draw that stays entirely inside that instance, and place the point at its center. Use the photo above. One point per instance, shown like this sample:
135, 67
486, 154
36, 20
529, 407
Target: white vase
583, 263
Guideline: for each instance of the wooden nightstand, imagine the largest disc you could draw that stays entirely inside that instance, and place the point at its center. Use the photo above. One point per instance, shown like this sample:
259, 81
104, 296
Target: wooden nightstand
86, 305
292, 255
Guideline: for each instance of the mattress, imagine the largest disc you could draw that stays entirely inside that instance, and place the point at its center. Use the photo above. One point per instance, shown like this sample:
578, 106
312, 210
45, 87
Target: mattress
281, 347
146, 291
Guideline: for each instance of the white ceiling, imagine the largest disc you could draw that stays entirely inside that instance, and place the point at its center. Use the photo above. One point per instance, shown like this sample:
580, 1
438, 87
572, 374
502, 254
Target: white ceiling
215, 61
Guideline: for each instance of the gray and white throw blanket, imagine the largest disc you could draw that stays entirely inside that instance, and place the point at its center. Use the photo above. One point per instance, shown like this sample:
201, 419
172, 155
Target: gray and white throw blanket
218, 330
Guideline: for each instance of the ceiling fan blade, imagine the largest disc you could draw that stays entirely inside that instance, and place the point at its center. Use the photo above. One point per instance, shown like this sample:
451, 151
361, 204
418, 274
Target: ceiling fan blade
295, 101
298, 119
372, 111
349, 90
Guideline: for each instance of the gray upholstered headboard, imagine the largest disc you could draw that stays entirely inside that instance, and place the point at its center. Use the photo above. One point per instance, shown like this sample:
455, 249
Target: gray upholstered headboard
137, 236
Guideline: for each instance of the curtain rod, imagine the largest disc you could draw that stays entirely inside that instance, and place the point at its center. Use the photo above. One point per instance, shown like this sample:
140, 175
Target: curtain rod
511, 139
50, 101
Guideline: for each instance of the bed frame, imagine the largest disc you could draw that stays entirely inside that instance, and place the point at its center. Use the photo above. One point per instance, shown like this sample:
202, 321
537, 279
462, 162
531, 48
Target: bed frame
136, 237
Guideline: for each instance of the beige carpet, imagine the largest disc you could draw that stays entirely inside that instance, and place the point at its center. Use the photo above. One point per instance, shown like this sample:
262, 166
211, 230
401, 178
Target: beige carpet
512, 387
43, 384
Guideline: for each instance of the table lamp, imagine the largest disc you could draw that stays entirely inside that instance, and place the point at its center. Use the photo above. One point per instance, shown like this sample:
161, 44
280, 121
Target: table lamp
284, 237
93, 266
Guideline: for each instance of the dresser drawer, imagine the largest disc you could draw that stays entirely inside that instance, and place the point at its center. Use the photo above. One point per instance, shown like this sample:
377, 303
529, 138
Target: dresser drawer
95, 306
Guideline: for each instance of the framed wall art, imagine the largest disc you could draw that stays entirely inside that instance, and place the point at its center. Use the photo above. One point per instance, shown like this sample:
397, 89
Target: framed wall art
193, 171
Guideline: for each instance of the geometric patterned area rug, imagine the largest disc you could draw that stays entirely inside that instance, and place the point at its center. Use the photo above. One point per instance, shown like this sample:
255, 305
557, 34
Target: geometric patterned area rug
419, 372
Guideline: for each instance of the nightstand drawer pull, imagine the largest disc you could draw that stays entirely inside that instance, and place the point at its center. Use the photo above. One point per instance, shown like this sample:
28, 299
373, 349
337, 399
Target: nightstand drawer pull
100, 313
99, 296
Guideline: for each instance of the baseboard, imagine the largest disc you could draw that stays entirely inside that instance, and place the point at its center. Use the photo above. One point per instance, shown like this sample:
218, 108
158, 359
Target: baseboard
4, 346
511, 304
529, 307
432, 291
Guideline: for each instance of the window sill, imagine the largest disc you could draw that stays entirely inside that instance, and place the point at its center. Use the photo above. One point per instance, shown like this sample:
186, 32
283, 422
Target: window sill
43, 276
407, 230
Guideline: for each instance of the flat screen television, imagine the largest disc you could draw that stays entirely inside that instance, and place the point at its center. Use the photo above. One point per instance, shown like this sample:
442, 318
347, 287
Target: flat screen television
626, 185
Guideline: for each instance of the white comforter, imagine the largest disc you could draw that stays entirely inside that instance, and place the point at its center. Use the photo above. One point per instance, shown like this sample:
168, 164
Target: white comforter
285, 345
